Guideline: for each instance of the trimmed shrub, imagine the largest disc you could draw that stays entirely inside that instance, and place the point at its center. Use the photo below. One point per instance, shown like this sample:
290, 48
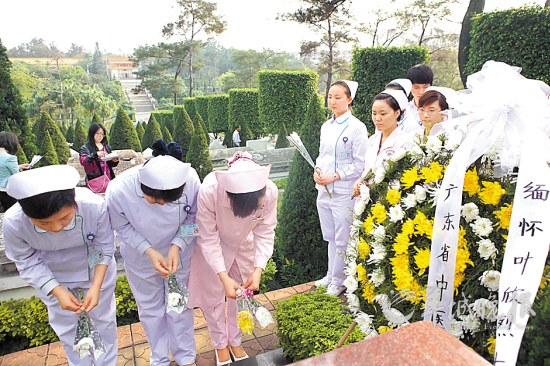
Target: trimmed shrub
123, 133
283, 98
282, 142
201, 107
21, 157
519, 37
200, 121
27, 140
47, 150
374, 67
198, 155
126, 307
60, 145
183, 128
152, 132
301, 252
268, 276
218, 113
312, 323
166, 135
165, 118
228, 139
189, 104
97, 119
69, 136
140, 131
243, 110
80, 136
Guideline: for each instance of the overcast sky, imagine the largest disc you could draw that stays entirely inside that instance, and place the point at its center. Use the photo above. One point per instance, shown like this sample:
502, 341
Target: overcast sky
121, 25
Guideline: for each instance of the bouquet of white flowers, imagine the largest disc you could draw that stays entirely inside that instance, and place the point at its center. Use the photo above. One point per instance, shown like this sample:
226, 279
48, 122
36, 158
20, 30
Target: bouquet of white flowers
87, 340
178, 295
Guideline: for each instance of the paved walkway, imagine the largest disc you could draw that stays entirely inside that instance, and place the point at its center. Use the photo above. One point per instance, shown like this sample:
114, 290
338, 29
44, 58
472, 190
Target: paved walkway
134, 349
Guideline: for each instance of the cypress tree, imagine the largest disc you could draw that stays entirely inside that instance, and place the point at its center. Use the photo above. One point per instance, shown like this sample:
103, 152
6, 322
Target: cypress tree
140, 131
97, 119
166, 135
21, 157
46, 123
152, 132
63, 130
302, 253
200, 121
228, 139
27, 140
80, 136
69, 136
198, 155
183, 128
47, 150
281, 137
124, 135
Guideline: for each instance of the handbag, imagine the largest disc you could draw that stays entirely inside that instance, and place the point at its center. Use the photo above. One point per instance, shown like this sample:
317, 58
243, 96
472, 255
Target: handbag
99, 184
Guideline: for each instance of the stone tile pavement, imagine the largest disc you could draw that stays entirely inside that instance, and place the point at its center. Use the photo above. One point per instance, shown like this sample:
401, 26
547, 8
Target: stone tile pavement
134, 349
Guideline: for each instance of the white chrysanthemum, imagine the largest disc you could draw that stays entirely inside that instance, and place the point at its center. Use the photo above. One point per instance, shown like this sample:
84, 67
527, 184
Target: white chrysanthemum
351, 284
454, 139
364, 192
434, 144
377, 255
490, 279
420, 193
396, 213
471, 323
470, 212
398, 155
409, 201
416, 152
395, 184
351, 250
377, 277
174, 299
383, 300
353, 302
487, 249
456, 329
486, 309
359, 207
364, 322
351, 268
379, 175
379, 233
482, 226
84, 346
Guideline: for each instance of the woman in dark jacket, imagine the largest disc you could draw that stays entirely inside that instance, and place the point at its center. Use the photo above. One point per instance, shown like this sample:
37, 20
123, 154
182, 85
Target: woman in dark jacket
92, 152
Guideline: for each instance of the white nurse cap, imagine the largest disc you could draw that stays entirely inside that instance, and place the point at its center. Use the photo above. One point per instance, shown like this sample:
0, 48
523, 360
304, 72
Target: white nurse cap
41, 180
406, 84
399, 97
352, 85
163, 173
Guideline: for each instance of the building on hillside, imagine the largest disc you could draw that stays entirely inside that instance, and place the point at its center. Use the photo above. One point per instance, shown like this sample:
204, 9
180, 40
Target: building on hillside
121, 67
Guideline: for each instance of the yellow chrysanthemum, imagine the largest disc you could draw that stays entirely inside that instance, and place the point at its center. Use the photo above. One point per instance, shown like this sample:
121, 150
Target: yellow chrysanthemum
408, 227
491, 345
379, 213
422, 260
369, 224
363, 248
503, 215
410, 177
491, 193
433, 173
471, 182
383, 329
393, 196
361, 273
245, 321
401, 243
422, 225
368, 292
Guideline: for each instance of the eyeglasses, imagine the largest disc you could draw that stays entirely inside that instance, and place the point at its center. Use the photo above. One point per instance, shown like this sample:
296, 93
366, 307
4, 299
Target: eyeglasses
432, 112
99, 134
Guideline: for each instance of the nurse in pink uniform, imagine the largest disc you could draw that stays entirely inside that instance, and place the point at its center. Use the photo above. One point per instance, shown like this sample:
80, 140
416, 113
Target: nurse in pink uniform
237, 215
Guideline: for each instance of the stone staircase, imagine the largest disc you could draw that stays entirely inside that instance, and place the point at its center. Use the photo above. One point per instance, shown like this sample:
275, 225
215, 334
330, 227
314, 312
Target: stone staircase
143, 102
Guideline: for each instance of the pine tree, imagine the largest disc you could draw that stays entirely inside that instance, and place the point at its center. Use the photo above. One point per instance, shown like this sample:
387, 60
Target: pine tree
198, 155
281, 137
69, 136
152, 132
46, 123
97, 119
183, 128
302, 253
80, 136
63, 130
166, 135
124, 135
21, 157
47, 150
200, 121
140, 131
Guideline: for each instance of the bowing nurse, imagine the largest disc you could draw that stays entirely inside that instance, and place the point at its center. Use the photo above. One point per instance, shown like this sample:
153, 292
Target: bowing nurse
338, 166
237, 215
61, 241
151, 208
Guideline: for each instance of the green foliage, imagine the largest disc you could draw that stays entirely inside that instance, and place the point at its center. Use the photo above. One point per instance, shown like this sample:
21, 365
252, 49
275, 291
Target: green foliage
126, 307
27, 140
152, 132
140, 131
97, 119
311, 324
200, 121
283, 98
281, 137
80, 136
281, 183
243, 110
123, 133
201, 107
301, 250
166, 135
69, 136
183, 128
268, 275
517, 36
165, 118
218, 112
21, 157
374, 67
46, 123
228, 139
11, 104
189, 104
198, 155
49, 155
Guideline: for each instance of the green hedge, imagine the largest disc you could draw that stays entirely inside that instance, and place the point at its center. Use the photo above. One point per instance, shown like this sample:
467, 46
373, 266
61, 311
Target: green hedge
165, 118
189, 104
311, 324
375, 67
218, 113
201, 107
283, 98
519, 37
243, 110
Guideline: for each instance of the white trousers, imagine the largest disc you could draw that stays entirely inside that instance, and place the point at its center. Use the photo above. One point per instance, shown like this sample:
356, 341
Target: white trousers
336, 217
166, 332
103, 315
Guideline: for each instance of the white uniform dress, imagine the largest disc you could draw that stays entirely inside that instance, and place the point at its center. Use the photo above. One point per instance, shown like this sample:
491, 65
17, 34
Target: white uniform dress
410, 123
47, 259
342, 151
375, 154
139, 226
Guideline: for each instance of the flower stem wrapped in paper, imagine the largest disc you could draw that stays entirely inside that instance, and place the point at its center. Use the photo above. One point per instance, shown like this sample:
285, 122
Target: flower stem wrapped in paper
87, 341
247, 309
178, 295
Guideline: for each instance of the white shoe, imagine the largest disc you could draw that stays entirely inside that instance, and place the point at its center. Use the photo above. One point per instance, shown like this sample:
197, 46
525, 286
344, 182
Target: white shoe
335, 290
223, 363
323, 282
235, 358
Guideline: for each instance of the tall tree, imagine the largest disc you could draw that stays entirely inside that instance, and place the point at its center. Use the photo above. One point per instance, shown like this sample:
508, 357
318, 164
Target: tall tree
329, 18
140, 131
152, 132
475, 7
123, 133
98, 65
196, 16
80, 136
183, 128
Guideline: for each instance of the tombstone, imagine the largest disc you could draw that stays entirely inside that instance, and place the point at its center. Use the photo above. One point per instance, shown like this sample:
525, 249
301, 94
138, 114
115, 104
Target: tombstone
257, 145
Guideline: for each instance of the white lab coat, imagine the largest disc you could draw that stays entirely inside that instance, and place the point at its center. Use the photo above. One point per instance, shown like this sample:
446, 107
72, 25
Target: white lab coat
139, 226
375, 154
410, 123
47, 259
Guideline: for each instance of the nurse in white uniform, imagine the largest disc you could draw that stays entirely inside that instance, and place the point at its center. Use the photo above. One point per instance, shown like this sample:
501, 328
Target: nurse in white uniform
152, 208
61, 241
433, 109
340, 163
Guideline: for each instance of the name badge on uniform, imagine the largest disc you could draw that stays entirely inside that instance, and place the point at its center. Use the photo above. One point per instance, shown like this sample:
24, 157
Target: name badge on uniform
345, 152
95, 258
189, 231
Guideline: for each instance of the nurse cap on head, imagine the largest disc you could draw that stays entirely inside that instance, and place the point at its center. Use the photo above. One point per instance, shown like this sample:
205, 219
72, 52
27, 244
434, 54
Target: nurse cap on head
41, 180
399, 97
243, 175
448, 93
352, 85
406, 84
164, 173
